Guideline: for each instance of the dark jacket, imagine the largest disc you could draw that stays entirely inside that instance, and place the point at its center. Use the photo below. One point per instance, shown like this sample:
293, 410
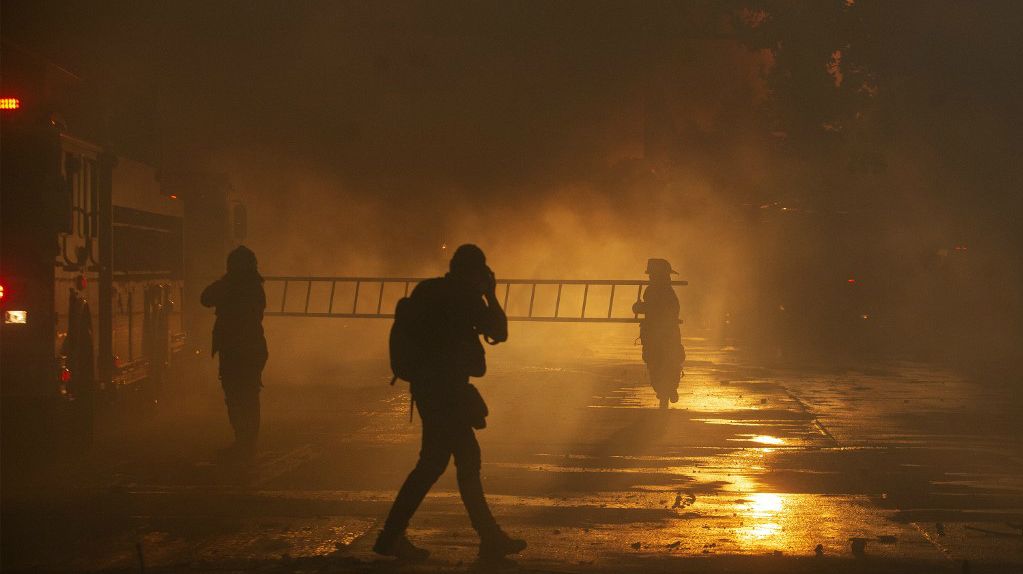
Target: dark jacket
659, 329
239, 301
457, 317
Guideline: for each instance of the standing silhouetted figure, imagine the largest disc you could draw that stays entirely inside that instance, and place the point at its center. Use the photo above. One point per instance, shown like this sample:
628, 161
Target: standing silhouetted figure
452, 312
238, 336
659, 331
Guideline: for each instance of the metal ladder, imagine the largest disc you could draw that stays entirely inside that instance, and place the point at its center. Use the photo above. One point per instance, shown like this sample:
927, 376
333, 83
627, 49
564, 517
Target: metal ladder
365, 297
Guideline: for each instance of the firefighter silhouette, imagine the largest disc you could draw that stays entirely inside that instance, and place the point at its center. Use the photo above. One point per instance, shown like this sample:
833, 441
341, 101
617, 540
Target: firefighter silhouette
239, 300
659, 332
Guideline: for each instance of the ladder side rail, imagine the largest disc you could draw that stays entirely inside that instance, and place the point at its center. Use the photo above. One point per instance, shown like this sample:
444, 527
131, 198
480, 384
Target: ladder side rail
340, 278
574, 319
619, 282
316, 314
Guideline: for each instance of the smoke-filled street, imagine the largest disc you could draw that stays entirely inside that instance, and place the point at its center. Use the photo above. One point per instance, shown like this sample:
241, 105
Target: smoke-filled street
484, 285
755, 467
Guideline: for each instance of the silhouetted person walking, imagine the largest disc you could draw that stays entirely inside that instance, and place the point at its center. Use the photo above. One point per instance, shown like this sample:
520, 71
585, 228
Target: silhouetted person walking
659, 331
238, 336
438, 329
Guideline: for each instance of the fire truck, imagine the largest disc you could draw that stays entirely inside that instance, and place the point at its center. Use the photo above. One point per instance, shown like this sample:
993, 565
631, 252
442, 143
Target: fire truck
92, 269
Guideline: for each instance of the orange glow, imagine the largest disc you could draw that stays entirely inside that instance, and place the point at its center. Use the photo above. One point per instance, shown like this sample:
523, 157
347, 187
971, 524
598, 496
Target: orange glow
172, 196
834, 68
1, 292
9, 103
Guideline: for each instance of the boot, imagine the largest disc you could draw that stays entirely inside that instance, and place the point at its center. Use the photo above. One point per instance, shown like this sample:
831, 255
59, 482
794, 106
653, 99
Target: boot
498, 545
400, 547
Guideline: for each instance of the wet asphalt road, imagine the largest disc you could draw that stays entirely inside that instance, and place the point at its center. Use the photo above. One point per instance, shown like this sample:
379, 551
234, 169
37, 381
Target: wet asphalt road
751, 471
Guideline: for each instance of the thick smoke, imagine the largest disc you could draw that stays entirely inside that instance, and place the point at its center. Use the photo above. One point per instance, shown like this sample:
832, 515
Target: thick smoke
576, 141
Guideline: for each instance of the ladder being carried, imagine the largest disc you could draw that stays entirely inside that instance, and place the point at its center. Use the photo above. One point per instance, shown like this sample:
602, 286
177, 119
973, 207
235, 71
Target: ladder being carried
549, 300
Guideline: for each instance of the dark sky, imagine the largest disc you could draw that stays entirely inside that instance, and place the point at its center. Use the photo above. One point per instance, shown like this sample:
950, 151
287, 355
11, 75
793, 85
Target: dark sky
467, 90
527, 94
365, 135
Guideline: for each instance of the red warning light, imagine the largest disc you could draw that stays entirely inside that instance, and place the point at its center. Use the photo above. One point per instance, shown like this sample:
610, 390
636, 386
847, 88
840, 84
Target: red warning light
65, 375
851, 281
1, 292
172, 196
9, 103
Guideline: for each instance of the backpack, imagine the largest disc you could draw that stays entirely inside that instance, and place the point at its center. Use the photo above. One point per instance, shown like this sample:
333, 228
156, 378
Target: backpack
420, 344
407, 340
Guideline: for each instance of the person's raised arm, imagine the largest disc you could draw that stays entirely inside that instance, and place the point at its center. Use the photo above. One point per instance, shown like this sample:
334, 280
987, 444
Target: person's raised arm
493, 323
212, 294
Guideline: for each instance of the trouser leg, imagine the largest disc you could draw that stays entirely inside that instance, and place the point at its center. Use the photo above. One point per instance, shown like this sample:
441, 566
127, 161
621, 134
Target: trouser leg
656, 376
234, 411
242, 411
470, 486
664, 377
433, 459
240, 378
248, 428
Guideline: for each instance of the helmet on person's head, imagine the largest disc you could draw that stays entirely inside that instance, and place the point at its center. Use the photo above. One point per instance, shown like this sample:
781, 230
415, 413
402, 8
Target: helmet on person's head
468, 257
655, 266
241, 260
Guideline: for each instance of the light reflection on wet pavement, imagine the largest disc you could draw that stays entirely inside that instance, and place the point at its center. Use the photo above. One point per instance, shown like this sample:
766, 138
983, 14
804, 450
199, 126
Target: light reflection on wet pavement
924, 465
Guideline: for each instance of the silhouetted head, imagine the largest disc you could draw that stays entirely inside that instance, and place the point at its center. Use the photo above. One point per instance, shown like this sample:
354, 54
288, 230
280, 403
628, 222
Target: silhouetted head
469, 264
659, 270
468, 259
241, 262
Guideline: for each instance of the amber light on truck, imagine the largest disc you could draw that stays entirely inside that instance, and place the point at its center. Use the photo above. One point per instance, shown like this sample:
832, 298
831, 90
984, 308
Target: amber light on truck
9, 103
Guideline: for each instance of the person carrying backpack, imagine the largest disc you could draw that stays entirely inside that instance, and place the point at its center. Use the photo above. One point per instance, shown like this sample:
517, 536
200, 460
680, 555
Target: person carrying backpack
435, 346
